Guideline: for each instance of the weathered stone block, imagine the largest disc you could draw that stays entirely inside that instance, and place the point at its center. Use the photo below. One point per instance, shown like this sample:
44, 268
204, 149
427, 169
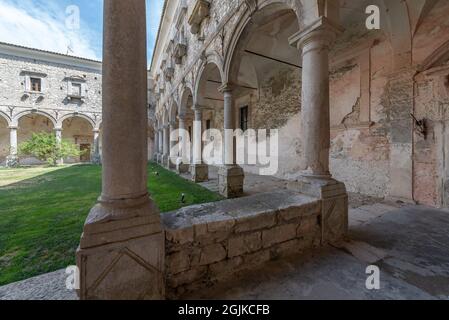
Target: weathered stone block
200, 172
187, 277
178, 262
244, 244
278, 234
262, 221
180, 236
225, 268
230, 181
213, 253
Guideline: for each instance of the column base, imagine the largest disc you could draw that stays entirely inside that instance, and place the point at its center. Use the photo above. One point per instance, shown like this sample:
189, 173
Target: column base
335, 205
96, 159
200, 172
181, 167
122, 253
230, 181
164, 160
12, 162
171, 163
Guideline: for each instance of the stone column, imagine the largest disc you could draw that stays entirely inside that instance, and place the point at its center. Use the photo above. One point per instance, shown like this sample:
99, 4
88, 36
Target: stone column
121, 254
58, 134
198, 169
166, 146
230, 175
314, 41
96, 156
12, 160
173, 156
182, 165
159, 146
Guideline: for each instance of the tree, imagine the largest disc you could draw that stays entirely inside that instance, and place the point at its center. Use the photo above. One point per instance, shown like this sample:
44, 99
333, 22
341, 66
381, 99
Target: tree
45, 147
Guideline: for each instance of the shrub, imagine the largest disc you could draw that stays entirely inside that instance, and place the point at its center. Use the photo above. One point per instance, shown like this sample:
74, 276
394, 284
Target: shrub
45, 147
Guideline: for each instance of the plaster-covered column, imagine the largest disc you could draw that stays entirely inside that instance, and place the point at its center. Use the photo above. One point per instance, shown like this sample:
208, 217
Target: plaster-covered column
314, 41
198, 169
230, 175
166, 145
121, 254
173, 155
182, 164
160, 150
58, 134
13, 159
96, 156
156, 147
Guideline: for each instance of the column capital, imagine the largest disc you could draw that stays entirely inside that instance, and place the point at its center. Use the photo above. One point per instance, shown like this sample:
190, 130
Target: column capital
322, 29
227, 87
13, 127
57, 129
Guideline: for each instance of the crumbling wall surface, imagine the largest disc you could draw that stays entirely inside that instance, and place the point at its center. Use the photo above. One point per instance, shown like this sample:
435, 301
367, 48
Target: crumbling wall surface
360, 122
431, 105
208, 243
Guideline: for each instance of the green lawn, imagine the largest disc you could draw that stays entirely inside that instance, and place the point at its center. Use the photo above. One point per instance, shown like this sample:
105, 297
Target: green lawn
42, 212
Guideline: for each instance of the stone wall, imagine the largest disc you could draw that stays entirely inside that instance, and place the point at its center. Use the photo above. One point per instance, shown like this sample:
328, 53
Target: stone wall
206, 244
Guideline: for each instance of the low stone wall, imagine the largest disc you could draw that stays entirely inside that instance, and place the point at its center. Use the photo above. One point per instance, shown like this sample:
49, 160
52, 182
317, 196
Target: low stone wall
208, 243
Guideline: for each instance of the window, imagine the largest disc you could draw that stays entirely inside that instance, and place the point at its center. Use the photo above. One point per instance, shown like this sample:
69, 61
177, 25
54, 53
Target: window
244, 118
36, 84
208, 125
76, 89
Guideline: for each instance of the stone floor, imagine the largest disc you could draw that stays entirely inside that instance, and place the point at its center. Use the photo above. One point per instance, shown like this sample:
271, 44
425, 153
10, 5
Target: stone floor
410, 245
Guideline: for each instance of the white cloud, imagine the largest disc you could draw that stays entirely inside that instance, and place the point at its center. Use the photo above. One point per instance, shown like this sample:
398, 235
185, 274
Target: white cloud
24, 24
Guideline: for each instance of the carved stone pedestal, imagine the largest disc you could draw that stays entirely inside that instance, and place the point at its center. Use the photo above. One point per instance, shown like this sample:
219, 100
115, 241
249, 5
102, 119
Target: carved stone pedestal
230, 181
200, 172
334, 209
122, 253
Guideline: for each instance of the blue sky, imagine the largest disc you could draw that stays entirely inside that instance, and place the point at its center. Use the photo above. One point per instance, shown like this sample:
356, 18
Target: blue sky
46, 25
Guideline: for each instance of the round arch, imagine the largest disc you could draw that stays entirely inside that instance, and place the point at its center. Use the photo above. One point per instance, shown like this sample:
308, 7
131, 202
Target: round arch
20, 115
252, 8
212, 60
5, 116
77, 115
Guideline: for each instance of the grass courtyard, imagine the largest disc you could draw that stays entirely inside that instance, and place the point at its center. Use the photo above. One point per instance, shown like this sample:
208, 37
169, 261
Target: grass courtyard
42, 213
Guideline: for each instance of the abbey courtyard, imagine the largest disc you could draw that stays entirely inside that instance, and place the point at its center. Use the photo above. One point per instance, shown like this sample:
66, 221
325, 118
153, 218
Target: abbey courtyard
272, 149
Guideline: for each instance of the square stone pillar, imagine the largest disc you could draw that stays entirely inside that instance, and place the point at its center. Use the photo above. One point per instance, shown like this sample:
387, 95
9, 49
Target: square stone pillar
122, 249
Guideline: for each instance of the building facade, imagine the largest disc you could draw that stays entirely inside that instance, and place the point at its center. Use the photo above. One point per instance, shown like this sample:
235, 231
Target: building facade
47, 92
389, 91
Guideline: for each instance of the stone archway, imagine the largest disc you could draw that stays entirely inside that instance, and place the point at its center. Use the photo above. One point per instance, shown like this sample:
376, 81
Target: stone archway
265, 71
79, 131
28, 124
